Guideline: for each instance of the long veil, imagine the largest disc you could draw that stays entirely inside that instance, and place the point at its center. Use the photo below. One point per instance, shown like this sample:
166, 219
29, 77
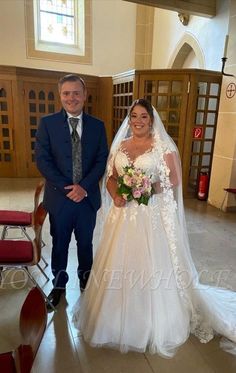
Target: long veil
211, 310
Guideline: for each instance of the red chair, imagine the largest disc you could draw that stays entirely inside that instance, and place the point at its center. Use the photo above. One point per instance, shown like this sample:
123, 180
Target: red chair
22, 220
21, 254
227, 190
33, 322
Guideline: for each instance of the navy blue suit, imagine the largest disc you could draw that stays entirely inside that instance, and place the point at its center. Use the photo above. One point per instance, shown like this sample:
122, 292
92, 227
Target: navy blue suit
53, 153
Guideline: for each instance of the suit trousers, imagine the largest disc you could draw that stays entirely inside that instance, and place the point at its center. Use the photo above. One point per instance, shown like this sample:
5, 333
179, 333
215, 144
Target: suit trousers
79, 218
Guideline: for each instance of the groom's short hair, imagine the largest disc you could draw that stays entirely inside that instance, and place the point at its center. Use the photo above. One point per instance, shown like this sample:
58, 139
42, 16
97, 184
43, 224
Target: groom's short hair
71, 78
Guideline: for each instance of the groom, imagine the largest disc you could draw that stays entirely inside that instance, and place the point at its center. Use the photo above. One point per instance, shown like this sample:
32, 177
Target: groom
71, 152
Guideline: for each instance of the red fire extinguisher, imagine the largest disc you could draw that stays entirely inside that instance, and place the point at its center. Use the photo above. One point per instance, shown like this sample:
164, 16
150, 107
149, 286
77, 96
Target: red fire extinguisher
203, 186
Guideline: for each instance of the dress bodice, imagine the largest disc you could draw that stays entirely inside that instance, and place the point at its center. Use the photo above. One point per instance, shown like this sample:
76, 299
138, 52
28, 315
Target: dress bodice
147, 162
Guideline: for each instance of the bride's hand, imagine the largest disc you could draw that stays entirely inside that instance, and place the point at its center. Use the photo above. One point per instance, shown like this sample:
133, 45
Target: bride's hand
119, 201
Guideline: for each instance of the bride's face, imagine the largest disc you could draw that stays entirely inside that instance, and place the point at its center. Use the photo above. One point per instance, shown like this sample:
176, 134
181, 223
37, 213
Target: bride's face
140, 121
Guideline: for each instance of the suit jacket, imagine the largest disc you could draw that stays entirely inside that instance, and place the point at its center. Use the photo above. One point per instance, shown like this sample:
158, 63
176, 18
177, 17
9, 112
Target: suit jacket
53, 151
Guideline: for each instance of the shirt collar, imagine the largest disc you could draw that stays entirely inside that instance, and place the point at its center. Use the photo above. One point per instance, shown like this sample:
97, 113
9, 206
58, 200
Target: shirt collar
72, 116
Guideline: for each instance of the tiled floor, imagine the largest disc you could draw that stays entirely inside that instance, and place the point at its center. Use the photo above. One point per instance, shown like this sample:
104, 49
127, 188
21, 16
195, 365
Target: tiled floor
213, 243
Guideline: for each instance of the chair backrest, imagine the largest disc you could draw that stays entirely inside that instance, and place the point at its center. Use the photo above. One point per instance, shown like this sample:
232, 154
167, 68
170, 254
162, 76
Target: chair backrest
39, 218
37, 193
33, 321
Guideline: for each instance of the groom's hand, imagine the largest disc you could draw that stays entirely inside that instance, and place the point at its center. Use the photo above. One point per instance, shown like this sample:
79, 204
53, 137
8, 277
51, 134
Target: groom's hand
77, 193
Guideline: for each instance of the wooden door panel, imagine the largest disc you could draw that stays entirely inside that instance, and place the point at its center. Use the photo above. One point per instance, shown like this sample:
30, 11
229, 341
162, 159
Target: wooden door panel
39, 99
7, 144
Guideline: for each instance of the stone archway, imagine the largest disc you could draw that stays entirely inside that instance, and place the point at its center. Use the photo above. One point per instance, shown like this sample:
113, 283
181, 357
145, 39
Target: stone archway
187, 46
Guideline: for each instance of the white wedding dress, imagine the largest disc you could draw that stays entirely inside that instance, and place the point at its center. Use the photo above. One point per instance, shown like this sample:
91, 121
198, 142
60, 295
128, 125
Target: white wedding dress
143, 292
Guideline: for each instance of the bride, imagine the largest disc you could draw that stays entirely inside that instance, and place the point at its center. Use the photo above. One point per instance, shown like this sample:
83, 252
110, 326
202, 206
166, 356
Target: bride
143, 292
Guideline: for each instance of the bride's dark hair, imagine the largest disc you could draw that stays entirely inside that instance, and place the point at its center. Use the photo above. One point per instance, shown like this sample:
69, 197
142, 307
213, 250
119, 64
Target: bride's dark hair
144, 103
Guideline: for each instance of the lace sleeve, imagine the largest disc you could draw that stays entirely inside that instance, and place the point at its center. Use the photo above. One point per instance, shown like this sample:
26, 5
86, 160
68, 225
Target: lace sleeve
172, 163
110, 166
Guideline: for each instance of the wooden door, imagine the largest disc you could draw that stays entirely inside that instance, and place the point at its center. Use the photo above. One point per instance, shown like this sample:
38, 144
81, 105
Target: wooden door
201, 128
39, 99
123, 92
7, 143
168, 93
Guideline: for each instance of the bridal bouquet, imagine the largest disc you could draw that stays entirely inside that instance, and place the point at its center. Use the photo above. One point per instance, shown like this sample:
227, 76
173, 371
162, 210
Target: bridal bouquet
134, 184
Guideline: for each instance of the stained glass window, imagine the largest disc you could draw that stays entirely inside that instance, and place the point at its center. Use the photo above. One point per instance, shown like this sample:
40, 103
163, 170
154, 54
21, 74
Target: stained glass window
55, 30
57, 20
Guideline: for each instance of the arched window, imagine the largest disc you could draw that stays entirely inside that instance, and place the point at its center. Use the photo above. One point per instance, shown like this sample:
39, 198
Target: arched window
56, 30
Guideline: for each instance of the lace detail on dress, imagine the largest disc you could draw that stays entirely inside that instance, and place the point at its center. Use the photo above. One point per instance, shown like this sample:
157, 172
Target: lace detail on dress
168, 211
132, 161
155, 213
200, 328
110, 163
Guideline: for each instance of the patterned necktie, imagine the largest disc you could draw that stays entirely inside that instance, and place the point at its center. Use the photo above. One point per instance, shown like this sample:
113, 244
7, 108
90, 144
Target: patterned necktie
76, 151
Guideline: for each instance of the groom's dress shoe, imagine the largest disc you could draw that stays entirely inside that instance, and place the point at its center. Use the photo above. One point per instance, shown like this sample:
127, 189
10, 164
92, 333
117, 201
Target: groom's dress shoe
55, 297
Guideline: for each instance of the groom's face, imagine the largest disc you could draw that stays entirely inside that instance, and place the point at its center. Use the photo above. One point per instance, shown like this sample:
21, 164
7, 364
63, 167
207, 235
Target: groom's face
73, 96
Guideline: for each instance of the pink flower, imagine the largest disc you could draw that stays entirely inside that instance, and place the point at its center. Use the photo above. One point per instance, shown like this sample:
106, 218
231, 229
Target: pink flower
136, 193
127, 180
